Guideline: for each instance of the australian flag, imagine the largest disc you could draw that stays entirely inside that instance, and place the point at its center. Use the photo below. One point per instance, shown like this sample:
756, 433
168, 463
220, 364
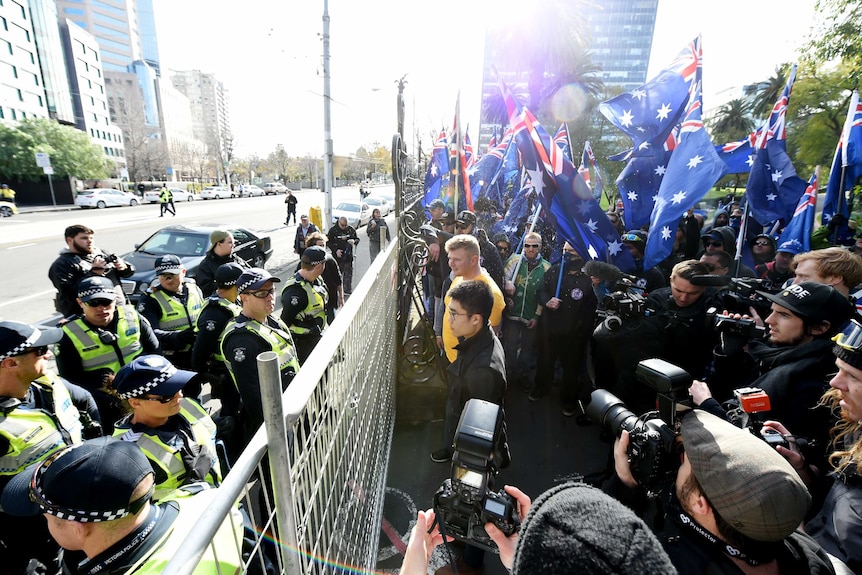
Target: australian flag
800, 227
693, 168
437, 176
486, 175
588, 155
739, 155
649, 113
776, 126
773, 188
848, 159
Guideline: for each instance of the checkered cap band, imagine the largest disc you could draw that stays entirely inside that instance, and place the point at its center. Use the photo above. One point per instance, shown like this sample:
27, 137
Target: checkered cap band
162, 268
93, 291
23, 345
165, 374
37, 494
251, 280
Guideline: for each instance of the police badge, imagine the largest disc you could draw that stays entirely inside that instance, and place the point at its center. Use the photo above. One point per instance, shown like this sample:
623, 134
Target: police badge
239, 354
294, 300
210, 325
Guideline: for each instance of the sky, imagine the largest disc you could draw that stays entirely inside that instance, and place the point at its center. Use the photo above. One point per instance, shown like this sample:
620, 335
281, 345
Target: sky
268, 55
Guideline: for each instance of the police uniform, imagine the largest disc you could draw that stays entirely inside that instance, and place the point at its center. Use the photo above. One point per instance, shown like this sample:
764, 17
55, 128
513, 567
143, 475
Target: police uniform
338, 240
304, 311
206, 354
171, 314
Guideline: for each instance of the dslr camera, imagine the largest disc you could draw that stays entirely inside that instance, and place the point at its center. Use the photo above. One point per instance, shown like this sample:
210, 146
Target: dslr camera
749, 406
652, 455
466, 501
740, 293
743, 327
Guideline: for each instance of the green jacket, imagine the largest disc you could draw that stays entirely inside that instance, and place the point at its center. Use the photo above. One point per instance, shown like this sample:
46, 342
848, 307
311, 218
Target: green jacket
527, 286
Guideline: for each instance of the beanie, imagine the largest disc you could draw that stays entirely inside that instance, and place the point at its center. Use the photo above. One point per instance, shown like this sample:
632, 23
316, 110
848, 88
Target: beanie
575, 528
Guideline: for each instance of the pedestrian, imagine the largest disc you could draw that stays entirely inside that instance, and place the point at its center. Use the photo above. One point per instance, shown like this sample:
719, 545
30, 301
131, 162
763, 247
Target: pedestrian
166, 202
342, 243
7, 194
303, 302
291, 202
42, 413
97, 498
81, 258
376, 230
141, 189
98, 343
175, 433
302, 231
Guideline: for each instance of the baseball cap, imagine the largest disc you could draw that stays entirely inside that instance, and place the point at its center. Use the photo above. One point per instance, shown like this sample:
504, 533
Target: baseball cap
447, 218
713, 235
15, 337
253, 279
314, 255
150, 374
89, 482
501, 237
95, 288
816, 301
216, 236
436, 204
169, 264
791, 247
227, 274
466, 217
747, 482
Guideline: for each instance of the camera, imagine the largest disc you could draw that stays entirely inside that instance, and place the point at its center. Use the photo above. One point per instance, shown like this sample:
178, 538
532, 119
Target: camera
752, 403
651, 452
742, 327
625, 302
465, 502
740, 293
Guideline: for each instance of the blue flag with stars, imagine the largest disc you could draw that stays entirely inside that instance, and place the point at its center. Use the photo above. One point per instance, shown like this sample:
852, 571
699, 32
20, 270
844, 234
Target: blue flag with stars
848, 158
437, 176
773, 188
693, 168
800, 227
639, 183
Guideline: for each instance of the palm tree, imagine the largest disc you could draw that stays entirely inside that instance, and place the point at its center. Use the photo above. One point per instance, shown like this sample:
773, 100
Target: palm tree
732, 121
769, 91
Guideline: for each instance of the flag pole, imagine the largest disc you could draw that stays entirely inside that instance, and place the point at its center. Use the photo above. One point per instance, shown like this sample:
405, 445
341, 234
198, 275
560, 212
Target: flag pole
740, 240
562, 270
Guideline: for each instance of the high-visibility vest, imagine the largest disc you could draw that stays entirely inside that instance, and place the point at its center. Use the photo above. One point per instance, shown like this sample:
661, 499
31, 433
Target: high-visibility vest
279, 340
97, 355
34, 434
165, 196
315, 309
226, 559
177, 316
168, 457
234, 310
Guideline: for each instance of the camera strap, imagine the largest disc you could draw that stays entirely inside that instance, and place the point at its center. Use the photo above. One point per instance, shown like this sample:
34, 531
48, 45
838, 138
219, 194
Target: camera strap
688, 523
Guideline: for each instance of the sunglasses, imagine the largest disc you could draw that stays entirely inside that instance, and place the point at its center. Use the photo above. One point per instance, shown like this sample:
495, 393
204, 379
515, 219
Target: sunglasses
713, 244
262, 293
163, 399
761, 243
168, 276
533, 246
99, 303
460, 226
40, 351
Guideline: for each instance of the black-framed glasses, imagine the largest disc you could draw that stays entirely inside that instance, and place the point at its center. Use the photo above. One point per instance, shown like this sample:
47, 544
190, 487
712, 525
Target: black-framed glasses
454, 313
161, 398
713, 244
99, 303
40, 351
262, 293
533, 246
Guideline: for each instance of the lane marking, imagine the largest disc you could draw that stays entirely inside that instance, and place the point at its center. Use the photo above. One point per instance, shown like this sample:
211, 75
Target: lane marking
21, 246
27, 297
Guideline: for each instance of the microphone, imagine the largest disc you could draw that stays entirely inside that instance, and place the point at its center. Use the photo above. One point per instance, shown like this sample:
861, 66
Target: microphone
710, 280
606, 272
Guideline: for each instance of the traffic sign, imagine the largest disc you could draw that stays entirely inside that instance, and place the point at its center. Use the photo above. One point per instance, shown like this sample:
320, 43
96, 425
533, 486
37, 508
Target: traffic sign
49, 171
43, 160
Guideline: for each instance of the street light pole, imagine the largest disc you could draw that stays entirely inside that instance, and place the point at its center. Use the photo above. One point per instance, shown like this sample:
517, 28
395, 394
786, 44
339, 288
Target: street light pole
327, 123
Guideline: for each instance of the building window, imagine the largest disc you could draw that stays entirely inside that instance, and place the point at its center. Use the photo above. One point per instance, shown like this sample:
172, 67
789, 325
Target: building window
13, 114
74, 11
40, 101
2, 116
20, 95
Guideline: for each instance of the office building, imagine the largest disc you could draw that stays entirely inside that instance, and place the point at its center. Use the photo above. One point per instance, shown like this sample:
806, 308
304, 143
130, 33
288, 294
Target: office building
22, 93
209, 105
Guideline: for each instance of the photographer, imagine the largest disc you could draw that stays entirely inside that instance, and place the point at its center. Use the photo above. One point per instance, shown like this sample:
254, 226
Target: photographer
733, 507
570, 528
791, 367
838, 524
680, 317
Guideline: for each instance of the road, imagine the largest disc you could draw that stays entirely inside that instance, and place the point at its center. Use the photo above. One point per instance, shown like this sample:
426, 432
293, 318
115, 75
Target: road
30, 241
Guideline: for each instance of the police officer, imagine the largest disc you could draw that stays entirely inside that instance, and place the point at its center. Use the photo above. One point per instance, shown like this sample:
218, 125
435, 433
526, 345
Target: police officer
96, 497
174, 432
343, 241
303, 302
218, 310
172, 308
41, 413
166, 202
254, 331
98, 343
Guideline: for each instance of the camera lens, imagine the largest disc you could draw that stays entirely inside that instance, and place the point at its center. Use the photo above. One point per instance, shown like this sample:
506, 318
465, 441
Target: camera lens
610, 411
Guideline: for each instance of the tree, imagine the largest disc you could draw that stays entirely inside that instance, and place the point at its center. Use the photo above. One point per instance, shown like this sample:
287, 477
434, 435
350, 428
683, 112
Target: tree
770, 90
71, 151
836, 35
279, 162
732, 122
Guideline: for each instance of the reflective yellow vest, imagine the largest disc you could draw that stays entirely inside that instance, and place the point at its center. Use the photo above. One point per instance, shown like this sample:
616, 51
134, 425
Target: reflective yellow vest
34, 434
167, 457
234, 310
177, 316
165, 196
315, 309
97, 355
227, 541
279, 340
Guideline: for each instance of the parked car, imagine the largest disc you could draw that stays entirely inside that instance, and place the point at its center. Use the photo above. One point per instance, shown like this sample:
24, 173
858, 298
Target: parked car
105, 198
357, 213
216, 193
376, 202
190, 244
274, 188
250, 191
7, 209
152, 196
